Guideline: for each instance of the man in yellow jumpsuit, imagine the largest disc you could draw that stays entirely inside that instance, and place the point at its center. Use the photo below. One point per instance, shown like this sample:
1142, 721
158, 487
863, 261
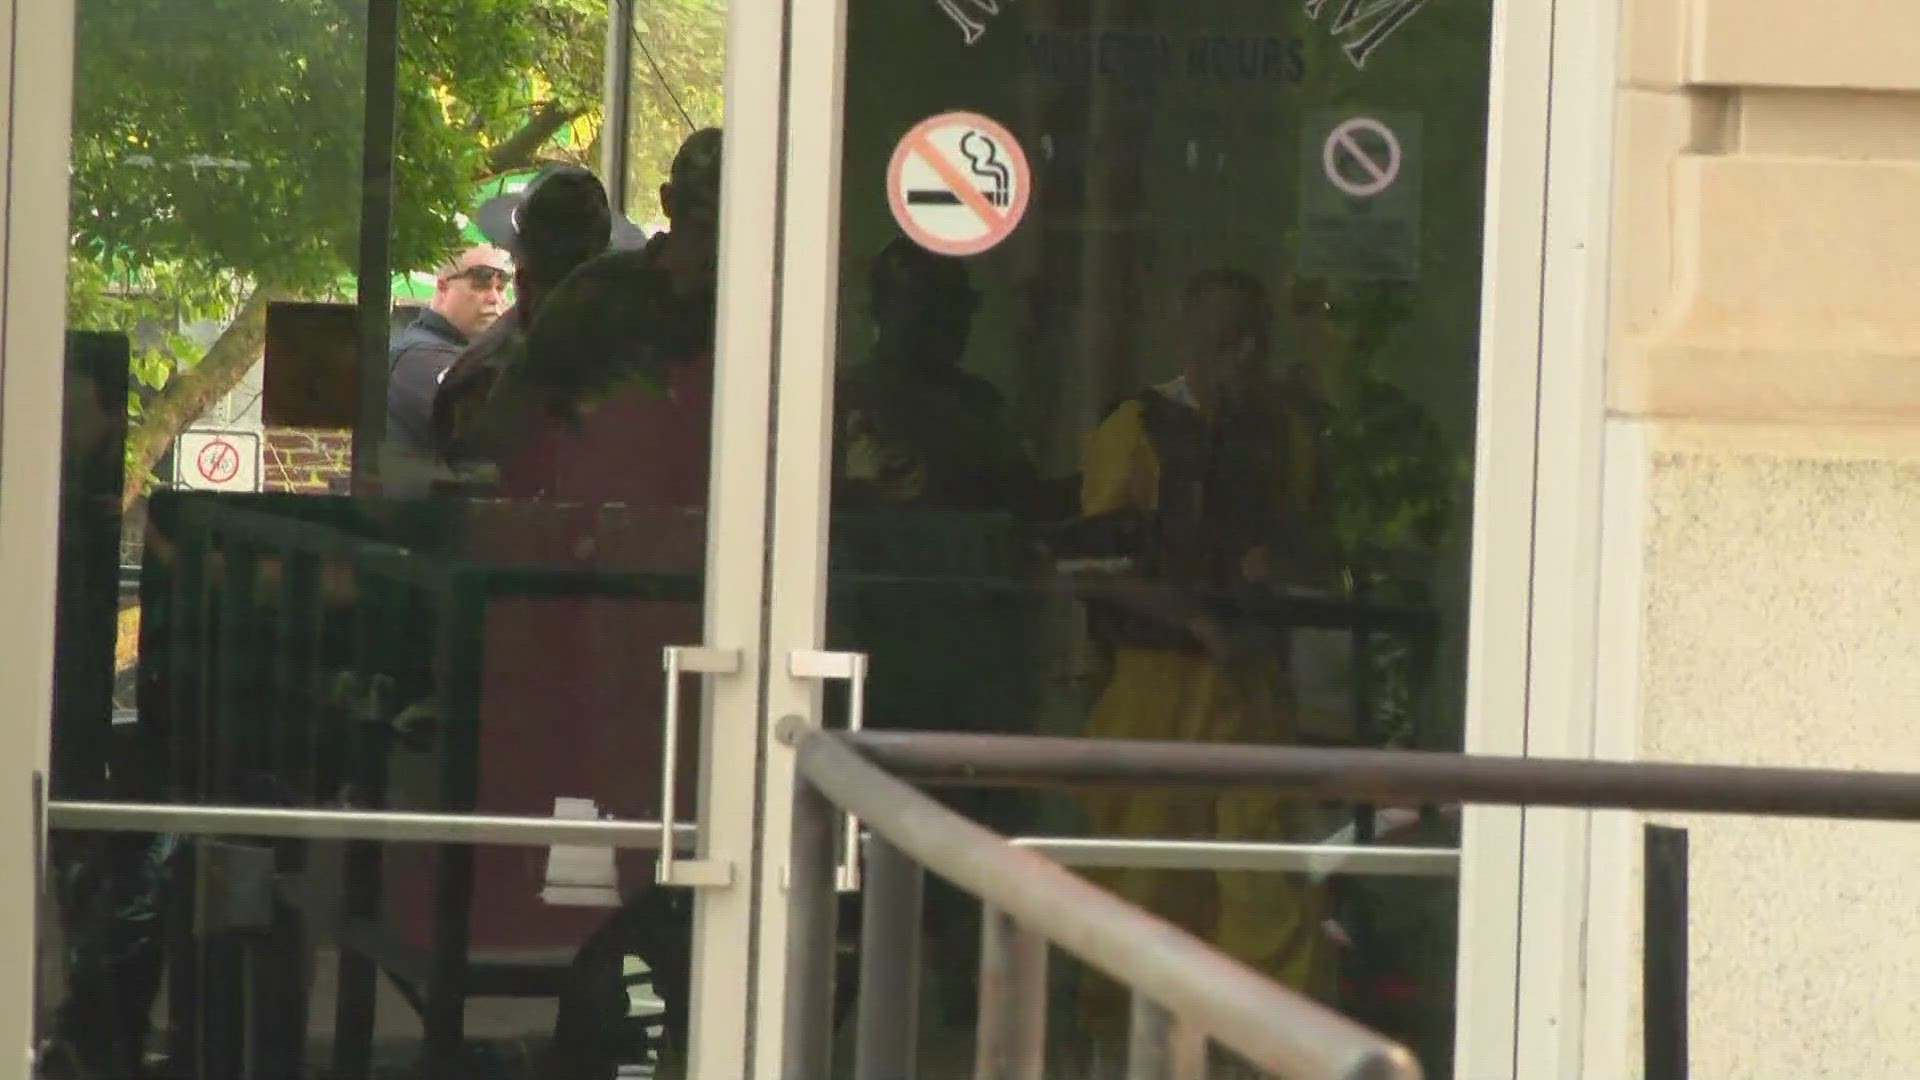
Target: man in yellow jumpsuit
1211, 479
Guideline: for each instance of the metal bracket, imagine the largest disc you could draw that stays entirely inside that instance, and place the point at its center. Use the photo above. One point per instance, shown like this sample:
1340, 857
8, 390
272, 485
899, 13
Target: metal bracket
822, 665
680, 660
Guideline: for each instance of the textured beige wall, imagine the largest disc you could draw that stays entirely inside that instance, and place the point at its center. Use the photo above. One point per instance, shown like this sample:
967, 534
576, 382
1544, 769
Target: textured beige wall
1766, 321
1781, 585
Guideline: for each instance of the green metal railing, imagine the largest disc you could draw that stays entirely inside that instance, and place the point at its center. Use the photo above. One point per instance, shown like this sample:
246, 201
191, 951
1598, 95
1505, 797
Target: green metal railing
303, 641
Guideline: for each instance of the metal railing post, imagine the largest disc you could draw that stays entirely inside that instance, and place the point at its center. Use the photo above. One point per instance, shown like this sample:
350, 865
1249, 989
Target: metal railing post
1013, 1001
1026, 896
1664, 963
888, 1026
812, 905
1161, 1046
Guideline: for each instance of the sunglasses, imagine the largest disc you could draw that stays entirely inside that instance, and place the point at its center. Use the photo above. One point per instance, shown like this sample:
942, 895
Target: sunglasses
484, 276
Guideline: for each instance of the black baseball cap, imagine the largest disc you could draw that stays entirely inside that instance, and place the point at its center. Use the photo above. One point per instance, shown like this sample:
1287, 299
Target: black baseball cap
565, 206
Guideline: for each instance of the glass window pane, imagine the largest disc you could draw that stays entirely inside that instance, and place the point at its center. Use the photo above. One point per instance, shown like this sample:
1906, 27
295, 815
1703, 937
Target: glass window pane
281, 589
1155, 417
243, 957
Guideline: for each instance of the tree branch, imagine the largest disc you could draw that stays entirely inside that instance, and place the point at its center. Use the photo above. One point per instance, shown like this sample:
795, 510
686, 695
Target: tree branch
189, 394
519, 149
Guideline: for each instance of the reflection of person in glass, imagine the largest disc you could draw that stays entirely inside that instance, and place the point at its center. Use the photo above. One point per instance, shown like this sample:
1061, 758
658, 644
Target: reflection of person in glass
602, 462
913, 429
558, 222
1206, 488
620, 361
926, 449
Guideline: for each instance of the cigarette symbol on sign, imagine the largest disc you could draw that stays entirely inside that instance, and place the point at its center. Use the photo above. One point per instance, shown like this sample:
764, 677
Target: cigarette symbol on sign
958, 183
218, 461
983, 159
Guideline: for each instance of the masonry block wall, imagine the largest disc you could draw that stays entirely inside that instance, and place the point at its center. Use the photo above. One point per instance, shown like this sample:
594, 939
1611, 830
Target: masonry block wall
1765, 352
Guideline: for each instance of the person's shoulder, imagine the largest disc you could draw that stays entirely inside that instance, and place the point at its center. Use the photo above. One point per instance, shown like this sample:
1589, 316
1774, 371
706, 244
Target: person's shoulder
606, 276
417, 338
614, 318
1127, 411
980, 393
1124, 423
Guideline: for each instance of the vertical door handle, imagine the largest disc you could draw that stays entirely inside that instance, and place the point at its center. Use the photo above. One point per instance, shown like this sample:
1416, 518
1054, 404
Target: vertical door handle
681, 660
851, 667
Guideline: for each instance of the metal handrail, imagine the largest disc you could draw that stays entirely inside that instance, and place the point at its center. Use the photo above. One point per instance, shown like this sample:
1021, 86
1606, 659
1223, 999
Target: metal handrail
1392, 777
388, 826
382, 826
1347, 860
1185, 990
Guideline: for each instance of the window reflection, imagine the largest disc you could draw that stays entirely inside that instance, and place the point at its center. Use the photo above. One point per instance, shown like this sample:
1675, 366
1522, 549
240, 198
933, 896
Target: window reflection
444, 619
1227, 362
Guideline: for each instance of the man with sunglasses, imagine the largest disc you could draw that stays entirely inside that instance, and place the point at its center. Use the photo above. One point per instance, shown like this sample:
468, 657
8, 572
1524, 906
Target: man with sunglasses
468, 296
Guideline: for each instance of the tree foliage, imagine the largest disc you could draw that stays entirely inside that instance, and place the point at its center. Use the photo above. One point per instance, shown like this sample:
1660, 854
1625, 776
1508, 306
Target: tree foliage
678, 49
217, 150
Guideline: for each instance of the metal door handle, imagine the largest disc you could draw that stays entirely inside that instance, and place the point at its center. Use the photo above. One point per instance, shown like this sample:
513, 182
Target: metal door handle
852, 667
681, 660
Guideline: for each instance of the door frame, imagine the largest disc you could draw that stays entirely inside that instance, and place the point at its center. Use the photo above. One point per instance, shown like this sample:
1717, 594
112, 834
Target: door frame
36, 52
1583, 684
1535, 123
725, 942
36, 83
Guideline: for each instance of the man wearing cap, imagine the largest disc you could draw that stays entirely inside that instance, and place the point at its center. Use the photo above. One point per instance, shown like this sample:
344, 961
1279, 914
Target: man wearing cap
469, 293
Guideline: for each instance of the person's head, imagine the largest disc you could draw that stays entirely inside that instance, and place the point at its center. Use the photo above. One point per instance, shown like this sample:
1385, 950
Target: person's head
691, 200
1225, 323
924, 299
558, 221
561, 221
469, 291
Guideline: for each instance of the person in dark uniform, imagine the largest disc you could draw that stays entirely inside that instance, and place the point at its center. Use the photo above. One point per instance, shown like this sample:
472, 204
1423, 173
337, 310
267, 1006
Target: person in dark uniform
559, 221
914, 429
468, 295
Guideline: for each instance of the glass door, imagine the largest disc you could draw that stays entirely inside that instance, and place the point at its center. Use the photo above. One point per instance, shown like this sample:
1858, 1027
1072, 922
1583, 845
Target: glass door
411, 520
1163, 370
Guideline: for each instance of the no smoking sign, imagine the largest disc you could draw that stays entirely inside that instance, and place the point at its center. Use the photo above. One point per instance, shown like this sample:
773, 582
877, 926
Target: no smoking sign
217, 461
1362, 157
1360, 198
958, 184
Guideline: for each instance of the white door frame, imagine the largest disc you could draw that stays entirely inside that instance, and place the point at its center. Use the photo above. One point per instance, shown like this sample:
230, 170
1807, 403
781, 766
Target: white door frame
36, 81
725, 942
36, 78
803, 404
1504, 641
1584, 589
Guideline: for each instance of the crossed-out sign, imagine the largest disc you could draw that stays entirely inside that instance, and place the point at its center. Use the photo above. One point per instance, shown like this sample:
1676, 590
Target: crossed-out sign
218, 462
958, 184
1362, 157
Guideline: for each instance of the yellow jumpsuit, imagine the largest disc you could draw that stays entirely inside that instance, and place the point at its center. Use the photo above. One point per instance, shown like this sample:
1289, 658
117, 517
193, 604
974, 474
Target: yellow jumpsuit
1269, 921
